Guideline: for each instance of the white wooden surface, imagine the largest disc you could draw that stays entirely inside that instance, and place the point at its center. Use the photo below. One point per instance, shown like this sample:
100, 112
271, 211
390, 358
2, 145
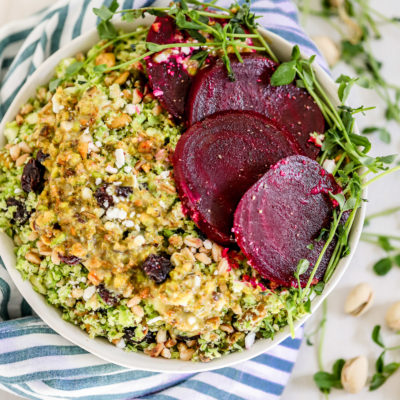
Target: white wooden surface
346, 336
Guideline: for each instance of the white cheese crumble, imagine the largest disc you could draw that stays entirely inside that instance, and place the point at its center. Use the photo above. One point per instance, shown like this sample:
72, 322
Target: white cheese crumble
116, 213
128, 169
164, 175
197, 281
128, 223
57, 107
162, 57
89, 292
121, 344
86, 193
249, 340
130, 109
111, 170
138, 241
120, 158
329, 165
98, 181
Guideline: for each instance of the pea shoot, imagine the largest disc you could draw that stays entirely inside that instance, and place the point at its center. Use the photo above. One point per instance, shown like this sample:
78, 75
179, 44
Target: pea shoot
357, 24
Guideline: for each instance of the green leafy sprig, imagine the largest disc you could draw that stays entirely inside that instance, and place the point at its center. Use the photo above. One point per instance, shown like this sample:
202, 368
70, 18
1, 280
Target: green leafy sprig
341, 139
382, 371
201, 21
77, 66
358, 25
385, 264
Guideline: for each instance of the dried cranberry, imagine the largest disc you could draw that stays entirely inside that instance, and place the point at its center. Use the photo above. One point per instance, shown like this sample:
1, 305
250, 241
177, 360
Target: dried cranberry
130, 334
32, 177
20, 215
40, 156
107, 296
123, 191
70, 260
157, 267
104, 200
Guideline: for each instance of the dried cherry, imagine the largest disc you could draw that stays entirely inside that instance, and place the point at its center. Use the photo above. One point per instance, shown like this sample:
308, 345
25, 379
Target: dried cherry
70, 260
123, 191
32, 179
21, 214
104, 200
157, 267
107, 296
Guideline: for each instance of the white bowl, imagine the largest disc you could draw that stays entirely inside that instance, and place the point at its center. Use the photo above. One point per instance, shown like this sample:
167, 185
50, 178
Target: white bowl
101, 347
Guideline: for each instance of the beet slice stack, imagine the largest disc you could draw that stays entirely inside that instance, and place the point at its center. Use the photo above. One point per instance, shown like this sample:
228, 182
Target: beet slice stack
168, 74
279, 218
218, 159
290, 107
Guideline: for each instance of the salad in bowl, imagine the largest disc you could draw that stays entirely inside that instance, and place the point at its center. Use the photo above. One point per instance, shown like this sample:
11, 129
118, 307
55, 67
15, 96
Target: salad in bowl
177, 190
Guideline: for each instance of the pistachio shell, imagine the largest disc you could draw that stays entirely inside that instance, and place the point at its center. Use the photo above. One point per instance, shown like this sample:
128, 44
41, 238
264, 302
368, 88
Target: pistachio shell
393, 316
354, 374
359, 300
328, 48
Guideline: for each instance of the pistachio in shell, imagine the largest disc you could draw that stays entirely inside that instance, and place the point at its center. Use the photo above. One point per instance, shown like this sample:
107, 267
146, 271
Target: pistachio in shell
354, 374
392, 317
359, 300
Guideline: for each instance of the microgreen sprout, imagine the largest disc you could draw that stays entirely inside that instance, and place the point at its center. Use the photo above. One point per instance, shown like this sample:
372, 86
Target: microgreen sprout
382, 371
225, 26
358, 26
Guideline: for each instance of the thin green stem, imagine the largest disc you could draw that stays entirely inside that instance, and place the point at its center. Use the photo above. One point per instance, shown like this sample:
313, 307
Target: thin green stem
339, 246
332, 233
391, 237
376, 243
267, 49
242, 35
212, 5
375, 178
322, 335
128, 10
392, 348
130, 62
339, 163
382, 213
120, 37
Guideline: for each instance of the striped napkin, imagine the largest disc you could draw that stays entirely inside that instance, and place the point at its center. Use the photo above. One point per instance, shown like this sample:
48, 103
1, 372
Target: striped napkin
35, 362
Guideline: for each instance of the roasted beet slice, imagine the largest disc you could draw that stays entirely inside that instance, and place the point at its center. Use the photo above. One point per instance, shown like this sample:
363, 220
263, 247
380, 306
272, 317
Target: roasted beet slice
164, 31
168, 70
218, 159
290, 107
279, 219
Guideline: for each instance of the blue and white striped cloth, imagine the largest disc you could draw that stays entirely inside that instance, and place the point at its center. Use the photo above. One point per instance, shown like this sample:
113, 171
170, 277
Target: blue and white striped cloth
35, 362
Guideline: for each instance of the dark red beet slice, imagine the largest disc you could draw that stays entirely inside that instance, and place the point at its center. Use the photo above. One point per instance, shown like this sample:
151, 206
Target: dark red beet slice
282, 214
291, 107
163, 31
218, 159
168, 75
